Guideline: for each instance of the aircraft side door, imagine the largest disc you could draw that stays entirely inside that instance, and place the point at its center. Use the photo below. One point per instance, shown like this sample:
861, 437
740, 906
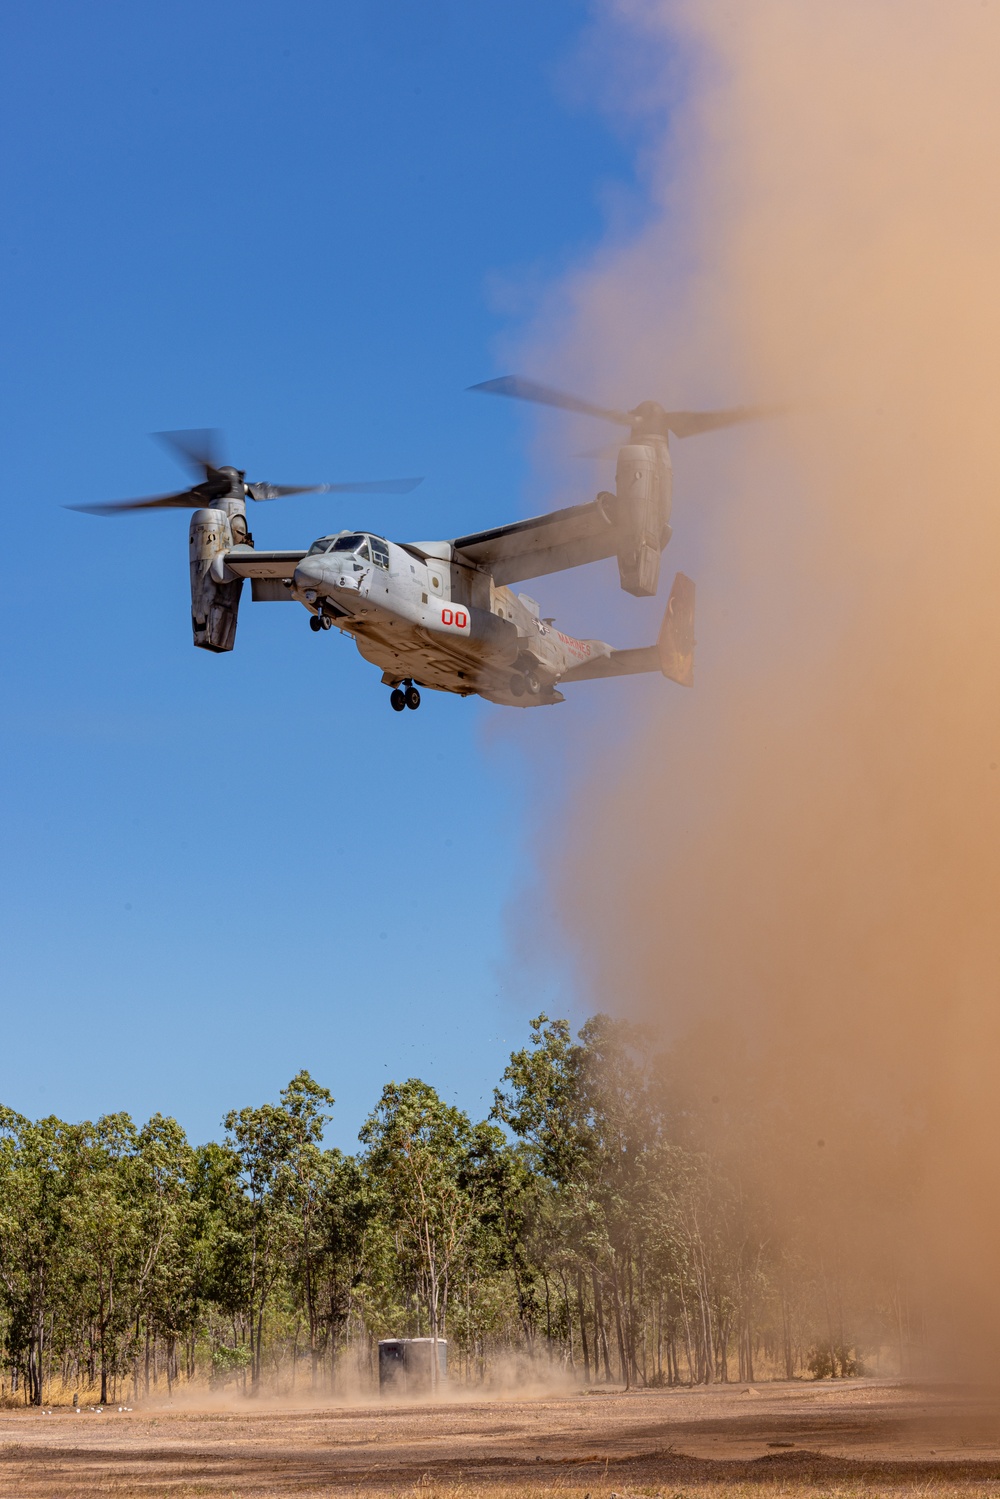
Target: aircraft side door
378, 578
364, 569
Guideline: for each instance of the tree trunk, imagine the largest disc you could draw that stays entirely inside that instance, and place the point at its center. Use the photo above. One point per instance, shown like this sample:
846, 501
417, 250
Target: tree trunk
255, 1351
37, 1356
602, 1332
829, 1324
580, 1311
786, 1334
619, 1331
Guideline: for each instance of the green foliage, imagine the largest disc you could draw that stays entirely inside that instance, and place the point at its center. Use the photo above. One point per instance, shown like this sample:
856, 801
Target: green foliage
228, 1361
826, 1362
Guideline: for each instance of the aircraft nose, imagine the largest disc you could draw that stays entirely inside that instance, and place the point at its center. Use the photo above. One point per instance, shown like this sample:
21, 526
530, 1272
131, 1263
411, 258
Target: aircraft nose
309, 573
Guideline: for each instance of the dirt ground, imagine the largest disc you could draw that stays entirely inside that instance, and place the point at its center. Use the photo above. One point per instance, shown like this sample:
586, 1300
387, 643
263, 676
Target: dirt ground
870, 1437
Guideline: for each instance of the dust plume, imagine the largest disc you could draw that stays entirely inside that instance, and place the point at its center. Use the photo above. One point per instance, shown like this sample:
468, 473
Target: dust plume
795, 871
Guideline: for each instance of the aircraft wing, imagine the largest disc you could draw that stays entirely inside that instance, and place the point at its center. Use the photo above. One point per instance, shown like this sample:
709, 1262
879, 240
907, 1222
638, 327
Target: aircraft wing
246, 562
544, 544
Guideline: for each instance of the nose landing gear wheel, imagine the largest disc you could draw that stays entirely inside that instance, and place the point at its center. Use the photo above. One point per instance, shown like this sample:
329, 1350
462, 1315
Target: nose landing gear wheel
315, 623
412, 697
397, 699
326, 622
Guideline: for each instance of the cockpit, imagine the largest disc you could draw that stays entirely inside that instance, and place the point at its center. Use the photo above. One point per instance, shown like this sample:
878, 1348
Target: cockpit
364, 548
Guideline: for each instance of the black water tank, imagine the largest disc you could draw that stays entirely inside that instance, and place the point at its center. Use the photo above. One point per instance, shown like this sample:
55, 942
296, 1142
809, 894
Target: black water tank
406, 1365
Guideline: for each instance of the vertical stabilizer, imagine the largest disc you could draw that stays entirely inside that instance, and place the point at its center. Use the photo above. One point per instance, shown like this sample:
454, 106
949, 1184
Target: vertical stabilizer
676, 640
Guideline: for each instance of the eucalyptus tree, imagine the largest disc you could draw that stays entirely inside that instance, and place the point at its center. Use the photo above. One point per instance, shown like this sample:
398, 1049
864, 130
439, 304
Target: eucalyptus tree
589, 1118
127, 1201
344, 1251
280, 1172
422, 1154
35, 1181
164, 1291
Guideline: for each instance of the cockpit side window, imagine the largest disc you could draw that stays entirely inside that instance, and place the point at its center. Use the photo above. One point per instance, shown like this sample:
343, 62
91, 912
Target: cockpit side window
322, 545
380, 551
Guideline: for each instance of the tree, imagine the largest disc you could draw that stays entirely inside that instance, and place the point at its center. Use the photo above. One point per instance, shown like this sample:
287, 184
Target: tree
164, 1291
128, 1195
591, 1126
277, 1147
33, 1191
345, 1225
421, 1153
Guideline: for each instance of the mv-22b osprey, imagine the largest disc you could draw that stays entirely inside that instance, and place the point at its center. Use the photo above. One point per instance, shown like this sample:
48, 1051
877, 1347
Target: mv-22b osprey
442, 614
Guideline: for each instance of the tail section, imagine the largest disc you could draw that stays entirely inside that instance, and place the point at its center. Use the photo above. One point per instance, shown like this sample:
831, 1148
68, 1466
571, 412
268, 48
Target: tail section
673, 653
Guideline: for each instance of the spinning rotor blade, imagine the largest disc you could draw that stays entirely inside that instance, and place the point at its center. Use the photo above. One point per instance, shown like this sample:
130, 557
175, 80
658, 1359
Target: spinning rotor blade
646, 419
691, 423
183, 499
264, 491
374, 486
260, 490
198, 447
542, 395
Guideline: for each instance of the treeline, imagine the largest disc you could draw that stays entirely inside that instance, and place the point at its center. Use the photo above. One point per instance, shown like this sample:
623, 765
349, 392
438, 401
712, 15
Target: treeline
584, 1227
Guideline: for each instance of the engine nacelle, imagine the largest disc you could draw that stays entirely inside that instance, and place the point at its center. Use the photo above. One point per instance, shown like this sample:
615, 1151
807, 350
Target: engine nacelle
215, 597
643, 484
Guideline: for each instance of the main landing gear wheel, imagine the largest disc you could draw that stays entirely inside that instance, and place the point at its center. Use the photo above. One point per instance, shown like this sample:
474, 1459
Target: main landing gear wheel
397, 699
412, 697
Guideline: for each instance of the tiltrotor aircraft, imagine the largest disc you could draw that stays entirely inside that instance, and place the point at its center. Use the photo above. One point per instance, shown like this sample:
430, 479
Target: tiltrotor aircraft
442, 614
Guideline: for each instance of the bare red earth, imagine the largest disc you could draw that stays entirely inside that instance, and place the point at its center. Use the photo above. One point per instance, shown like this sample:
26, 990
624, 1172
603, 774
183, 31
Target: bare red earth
795, 1437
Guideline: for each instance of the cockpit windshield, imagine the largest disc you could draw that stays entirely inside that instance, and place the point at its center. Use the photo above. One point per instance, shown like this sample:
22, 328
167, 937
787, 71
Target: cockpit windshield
352, 543
347, 543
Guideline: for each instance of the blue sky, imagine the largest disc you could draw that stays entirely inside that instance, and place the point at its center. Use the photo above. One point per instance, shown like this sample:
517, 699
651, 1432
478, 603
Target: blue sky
311, 225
